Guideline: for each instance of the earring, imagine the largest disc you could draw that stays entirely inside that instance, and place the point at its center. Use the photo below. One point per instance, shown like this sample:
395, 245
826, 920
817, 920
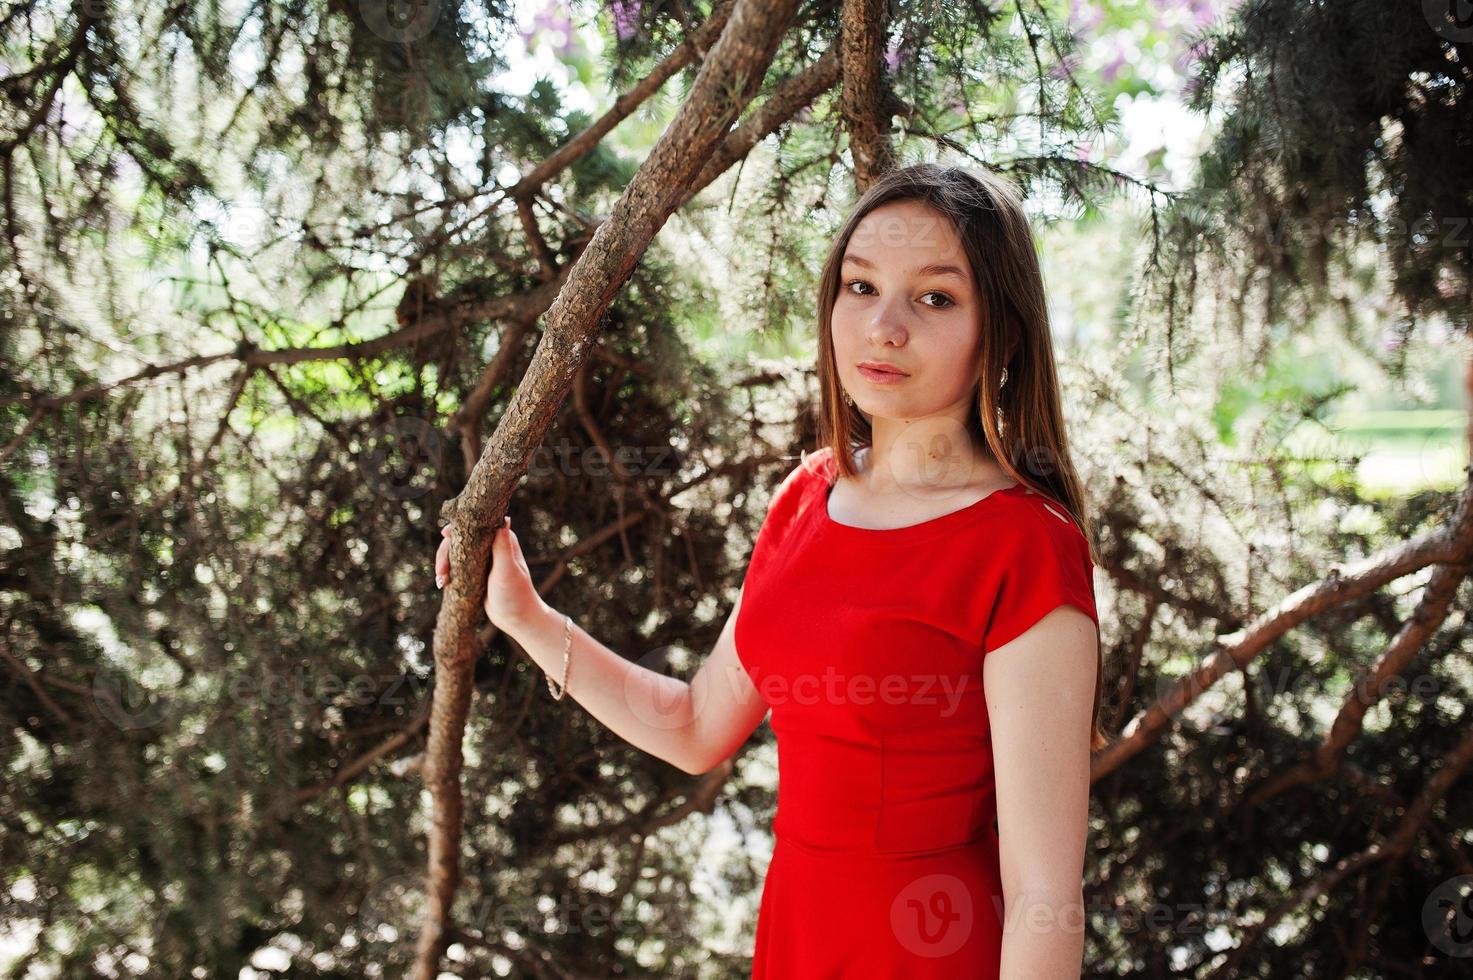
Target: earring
1004, 379
847, 399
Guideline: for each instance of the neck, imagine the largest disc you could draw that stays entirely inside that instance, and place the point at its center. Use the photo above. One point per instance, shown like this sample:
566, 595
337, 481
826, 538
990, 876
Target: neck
921, 453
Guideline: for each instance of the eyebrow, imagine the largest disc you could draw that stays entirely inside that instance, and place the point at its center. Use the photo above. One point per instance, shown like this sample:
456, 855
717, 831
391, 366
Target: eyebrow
935, 269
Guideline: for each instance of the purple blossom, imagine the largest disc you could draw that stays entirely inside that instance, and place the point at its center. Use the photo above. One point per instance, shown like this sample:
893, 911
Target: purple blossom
1199, 12
1065, 67
626, 17
893, 55
1085, 15
552, 19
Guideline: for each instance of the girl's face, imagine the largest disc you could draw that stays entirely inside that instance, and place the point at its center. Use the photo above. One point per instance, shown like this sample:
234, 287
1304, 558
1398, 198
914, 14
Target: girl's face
906, 299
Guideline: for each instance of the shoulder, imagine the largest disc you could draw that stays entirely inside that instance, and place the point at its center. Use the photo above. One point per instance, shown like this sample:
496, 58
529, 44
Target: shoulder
798, 490
811, 470
800, 475
1043, 561
817, 465
1042, 524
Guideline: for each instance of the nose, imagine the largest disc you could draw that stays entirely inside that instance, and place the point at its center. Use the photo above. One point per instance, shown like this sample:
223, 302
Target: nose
888, 326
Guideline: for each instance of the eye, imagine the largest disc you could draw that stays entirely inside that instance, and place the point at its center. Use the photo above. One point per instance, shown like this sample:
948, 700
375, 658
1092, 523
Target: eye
934, 292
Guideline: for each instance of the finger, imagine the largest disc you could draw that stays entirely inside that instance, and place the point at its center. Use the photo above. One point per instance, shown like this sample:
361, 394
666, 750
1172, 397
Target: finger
442, 558
442, 563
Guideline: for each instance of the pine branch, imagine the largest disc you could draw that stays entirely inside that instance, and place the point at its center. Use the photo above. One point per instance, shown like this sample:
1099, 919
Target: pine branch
1347, 583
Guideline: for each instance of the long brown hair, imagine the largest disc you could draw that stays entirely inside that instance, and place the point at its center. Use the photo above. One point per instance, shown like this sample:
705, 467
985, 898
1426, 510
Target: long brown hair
1020, 421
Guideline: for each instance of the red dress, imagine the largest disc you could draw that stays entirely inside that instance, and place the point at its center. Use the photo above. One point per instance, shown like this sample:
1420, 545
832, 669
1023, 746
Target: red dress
867, 646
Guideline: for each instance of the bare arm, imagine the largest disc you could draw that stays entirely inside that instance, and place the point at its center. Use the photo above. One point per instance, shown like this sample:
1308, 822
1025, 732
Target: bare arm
1040, 690
691, 725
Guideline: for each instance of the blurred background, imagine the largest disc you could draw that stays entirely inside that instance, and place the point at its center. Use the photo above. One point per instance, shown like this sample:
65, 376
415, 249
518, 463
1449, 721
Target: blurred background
272, 272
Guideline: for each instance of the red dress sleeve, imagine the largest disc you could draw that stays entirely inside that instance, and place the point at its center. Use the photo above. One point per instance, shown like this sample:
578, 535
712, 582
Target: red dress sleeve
764, 576
780, 509
1047, 565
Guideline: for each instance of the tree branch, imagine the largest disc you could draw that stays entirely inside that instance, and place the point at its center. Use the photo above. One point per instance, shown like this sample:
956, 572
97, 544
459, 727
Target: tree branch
731, 74
1234, 651
864, 25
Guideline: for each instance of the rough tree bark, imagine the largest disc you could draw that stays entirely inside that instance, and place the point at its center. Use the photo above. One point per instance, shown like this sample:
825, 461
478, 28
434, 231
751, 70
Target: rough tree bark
729, 77
864, 101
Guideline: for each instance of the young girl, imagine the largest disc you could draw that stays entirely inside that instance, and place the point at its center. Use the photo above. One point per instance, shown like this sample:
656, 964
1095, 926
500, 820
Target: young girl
918, 615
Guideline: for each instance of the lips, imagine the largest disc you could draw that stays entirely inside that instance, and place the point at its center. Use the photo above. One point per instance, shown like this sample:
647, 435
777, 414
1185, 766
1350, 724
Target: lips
882, 375
877, 367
